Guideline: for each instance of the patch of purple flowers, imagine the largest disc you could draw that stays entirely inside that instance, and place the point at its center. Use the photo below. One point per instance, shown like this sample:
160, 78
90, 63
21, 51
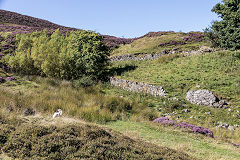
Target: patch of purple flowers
114, 42
165, 121
194, 36
195, 129
156, 34
11, 78
171, 43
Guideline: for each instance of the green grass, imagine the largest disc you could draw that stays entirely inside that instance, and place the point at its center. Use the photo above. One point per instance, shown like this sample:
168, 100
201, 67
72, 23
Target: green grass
46, 95
194, 145
218, 72
151, 45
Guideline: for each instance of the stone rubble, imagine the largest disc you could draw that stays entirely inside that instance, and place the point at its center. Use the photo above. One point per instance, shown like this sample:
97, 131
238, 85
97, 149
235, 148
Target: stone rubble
145, 56
138, 87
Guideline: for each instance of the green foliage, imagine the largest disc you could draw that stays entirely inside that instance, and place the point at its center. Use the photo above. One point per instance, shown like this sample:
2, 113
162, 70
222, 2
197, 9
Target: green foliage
84, 81
226, 33
72, 56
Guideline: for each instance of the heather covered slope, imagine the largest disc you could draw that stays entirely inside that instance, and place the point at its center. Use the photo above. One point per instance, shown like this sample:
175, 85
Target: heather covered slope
38, 137
12, 22
156, 42
24, 20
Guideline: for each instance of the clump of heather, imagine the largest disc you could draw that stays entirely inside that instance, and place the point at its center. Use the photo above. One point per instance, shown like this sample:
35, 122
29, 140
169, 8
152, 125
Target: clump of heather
114, 42
194, 37
195, 129
11, 78
15, 18
172, 43
165, 121
156, 34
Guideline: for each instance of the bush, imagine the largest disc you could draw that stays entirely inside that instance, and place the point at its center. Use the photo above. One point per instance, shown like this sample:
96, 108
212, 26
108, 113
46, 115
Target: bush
74, 56
84, 81
117, 104
226, 33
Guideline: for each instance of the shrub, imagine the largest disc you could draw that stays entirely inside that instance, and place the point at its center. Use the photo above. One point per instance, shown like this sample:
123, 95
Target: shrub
226, 33
117, 104
74, 56
84, 81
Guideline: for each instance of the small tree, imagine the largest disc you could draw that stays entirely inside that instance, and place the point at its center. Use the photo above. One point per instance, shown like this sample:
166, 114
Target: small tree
77, 55
226, 33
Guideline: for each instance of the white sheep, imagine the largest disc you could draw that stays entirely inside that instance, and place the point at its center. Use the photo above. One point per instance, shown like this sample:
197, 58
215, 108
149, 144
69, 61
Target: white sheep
58, 113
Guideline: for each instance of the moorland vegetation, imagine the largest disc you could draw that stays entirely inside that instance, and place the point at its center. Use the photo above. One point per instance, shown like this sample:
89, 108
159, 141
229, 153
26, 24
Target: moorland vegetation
45, 67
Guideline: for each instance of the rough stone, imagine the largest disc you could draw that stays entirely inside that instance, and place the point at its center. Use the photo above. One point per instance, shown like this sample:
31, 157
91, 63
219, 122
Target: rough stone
186, 110
28, 112
204, 98
138, 87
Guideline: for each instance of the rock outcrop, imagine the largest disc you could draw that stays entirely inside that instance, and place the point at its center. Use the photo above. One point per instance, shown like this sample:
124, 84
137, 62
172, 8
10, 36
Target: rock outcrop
205, 98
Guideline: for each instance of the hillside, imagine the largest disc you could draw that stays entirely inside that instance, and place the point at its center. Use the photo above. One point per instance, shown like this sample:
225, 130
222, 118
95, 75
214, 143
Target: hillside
7, 17
156, 42
14, 23
65, 138
137, 109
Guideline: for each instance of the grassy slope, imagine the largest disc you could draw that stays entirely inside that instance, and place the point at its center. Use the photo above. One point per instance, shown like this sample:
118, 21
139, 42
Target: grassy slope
150, 44
41, 137
194, 145
218, 72
48, 95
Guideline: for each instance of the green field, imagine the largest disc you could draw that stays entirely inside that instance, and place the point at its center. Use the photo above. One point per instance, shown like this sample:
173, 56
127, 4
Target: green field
218, 72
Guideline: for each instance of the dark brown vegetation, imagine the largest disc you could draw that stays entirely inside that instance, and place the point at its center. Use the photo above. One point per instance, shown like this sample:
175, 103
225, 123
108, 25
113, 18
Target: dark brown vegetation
15, 18
31, 141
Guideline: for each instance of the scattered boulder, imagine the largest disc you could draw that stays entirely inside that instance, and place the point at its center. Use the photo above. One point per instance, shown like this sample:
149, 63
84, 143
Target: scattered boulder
205, 98
186, 110
10, 108
206, 49
28, 112
226, 126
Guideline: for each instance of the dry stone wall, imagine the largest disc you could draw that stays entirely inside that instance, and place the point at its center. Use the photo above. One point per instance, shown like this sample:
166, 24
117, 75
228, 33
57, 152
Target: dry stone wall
138, 57
145, 56
138, 87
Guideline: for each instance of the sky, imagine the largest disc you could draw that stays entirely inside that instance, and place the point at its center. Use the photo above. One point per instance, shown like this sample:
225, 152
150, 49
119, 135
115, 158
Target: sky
121, 18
